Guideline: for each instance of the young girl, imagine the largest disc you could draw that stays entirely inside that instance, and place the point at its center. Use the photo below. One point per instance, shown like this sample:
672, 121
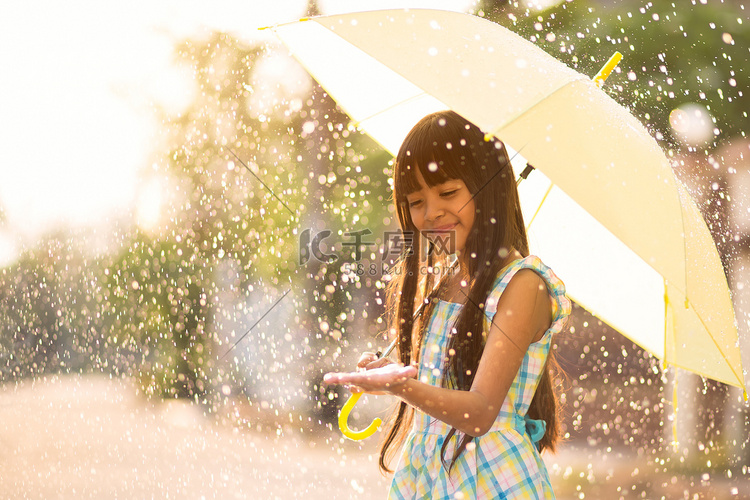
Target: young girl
483, 391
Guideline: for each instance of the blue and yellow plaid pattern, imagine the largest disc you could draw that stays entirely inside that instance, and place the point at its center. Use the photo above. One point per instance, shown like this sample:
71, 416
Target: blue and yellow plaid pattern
504, 463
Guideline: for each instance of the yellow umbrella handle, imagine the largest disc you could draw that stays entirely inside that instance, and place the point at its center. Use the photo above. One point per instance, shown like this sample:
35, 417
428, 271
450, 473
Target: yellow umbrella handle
344, 425
347, 408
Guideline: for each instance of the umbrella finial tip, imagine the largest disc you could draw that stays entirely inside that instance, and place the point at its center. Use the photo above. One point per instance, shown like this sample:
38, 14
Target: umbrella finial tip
607, 69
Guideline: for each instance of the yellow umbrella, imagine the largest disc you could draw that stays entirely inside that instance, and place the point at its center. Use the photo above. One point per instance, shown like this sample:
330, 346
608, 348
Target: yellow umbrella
604, 207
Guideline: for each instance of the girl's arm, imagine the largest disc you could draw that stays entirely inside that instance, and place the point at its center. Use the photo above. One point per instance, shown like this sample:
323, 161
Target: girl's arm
523, 315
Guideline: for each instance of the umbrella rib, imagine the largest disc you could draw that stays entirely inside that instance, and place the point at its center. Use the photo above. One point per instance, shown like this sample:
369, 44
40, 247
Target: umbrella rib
392, 106
544, 198
739, 379
667, 305
705, 327
684, 237
666, 318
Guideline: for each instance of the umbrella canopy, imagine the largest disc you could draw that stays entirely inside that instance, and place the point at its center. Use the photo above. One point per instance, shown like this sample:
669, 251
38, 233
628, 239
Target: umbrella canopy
606, 211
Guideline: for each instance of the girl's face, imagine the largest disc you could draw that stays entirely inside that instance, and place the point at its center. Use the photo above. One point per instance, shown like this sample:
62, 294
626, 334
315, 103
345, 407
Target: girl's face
444, 212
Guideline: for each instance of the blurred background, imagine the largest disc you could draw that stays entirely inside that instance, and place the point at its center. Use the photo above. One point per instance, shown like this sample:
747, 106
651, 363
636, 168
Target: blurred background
164, 320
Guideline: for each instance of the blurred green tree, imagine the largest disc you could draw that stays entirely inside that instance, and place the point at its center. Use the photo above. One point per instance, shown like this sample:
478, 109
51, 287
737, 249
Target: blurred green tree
251, 165
674, 53
49, 310
165, 289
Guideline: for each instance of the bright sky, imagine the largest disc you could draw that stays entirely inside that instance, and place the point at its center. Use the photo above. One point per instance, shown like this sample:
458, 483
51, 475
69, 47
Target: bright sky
80, 79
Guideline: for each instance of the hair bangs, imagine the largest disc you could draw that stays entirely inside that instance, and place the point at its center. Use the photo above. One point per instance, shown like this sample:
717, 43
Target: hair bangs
439, 150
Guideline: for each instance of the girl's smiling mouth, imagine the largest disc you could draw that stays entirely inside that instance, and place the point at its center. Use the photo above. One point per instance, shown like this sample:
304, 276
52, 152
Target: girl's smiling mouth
445, 228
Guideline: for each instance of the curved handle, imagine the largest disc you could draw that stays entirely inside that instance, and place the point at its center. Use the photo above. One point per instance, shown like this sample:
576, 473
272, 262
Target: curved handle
344, 416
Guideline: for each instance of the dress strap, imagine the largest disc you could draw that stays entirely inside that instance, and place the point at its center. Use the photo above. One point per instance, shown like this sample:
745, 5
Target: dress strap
561, 305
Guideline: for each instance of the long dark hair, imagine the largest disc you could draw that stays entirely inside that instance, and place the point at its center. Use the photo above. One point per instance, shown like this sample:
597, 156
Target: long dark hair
461, 151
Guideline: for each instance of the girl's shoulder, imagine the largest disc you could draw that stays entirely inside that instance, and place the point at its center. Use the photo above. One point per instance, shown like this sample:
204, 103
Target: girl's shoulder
561, 305
529, 262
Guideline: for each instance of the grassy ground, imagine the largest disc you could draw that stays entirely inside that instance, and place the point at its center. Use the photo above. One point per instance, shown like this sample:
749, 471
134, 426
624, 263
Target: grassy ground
92, 437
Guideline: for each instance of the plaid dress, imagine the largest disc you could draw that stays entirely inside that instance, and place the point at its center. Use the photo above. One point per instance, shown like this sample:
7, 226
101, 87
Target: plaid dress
504, 462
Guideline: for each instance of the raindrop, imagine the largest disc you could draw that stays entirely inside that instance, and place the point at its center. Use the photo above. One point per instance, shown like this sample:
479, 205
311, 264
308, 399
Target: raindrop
308, 127
692, 123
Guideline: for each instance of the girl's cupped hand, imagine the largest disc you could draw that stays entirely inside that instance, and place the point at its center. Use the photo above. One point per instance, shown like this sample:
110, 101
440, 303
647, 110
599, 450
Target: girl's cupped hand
384, 379
370, 360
